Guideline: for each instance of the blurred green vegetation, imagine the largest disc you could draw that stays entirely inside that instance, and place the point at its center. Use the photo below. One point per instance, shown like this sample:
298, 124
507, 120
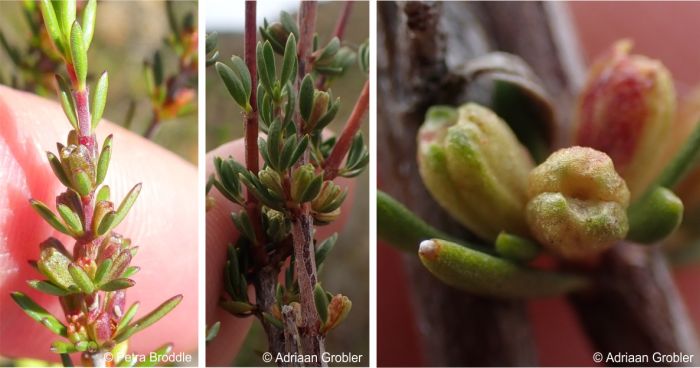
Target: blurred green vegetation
126, 33
346, 271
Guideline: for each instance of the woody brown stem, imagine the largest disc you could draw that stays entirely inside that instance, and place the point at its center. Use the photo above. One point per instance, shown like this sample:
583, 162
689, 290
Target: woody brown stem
341, 148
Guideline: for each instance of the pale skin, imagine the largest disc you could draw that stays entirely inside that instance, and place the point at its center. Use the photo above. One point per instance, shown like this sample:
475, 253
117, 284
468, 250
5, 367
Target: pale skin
163, 223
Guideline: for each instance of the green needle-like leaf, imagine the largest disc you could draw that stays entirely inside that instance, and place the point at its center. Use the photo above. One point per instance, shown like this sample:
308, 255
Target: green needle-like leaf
103, 161
102, 270
117, 284
67, 101
65, 11
483, 274
289, 62
321, 303
233, 84
262, 68
48, 287
681, 163
53, 28
213, 331
131, 271
112, 219
81, 278
516, 248
149, 319
103, 194
128, 316
89, 16
306, 97
82, 183
99, 99
63, 347
241, 70
324, 248
58, 169
398, 226
49, 216
78, 54
654, 217
269, 57
71, 219
39, 314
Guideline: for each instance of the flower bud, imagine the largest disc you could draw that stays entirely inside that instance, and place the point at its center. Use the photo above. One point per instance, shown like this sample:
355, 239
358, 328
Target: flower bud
338, 308
578, 203
475, 168
79, 168
305, 183
625, 110
116, 305
330, 198
272, 181
277, 35
100, 329
319, 108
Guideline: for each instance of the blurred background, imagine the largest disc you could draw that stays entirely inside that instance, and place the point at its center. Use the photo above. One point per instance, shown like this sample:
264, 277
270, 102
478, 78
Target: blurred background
660, 30
122, 48
347, 269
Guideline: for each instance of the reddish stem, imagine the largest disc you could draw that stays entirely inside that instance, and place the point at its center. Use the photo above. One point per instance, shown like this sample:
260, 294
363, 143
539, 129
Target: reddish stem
341, 148
251, 132
343, 20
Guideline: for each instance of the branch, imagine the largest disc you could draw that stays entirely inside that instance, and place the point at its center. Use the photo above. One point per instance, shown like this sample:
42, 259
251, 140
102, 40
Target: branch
251, 133
341, 148
339, 32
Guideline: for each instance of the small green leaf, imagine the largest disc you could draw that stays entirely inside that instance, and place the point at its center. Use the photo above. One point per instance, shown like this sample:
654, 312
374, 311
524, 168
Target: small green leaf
213, 331
65, 12
128, 316
71, 219
49, 216
328, 117
483, 274
289, 23
312, 189
81, 278
89, 16
516, 248
117, 284
233, 84
655, 216
112, 219
149, 319
102, 270
53, 28
99, 98
78, 54
289, 63
82, 183
270, 68
103, 161
241, 70
63, 347
306, 97
67, 101
321, 303
103, 194
48, 287
298, 151
39, 314
236, 307
58, 169
131, 271
66, 361
398, 226
324, 248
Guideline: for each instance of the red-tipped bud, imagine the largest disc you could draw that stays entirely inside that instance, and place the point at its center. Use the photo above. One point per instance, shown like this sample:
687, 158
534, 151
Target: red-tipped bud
625, 110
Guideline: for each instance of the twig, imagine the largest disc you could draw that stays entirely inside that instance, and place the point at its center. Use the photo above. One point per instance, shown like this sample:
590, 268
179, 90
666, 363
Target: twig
341, 148
251, 132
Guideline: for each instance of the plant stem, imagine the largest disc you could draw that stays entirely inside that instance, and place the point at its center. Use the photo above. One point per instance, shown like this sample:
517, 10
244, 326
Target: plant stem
341, 148
87, 139
98, 359
151, 130
251, 133
312, 343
